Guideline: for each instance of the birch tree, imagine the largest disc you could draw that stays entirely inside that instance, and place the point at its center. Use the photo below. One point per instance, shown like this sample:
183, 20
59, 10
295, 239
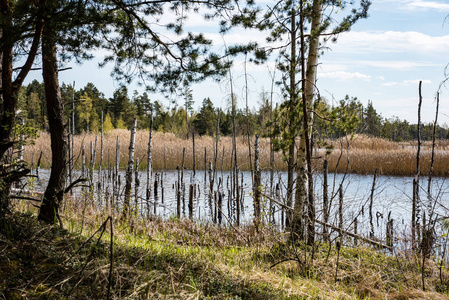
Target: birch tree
287, 22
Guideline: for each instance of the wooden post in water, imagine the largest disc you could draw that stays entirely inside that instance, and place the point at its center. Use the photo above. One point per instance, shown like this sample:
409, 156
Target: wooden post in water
256, 184
373, 187
340, 213
220, 207
211, 179
215, 206
325, 201
193, 153
237, 198
136, 187
389, 231
355, 231
90, 160
205, 165
414, 221
94, 156
162, 186
178, 203
191, 201
129, 171
182, 181
83, 162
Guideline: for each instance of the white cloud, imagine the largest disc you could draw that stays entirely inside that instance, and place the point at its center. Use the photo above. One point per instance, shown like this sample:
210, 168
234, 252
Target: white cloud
421, 4
391, 42
416, 81
329, 65
342, 75
414, 5
397, 65
409, 82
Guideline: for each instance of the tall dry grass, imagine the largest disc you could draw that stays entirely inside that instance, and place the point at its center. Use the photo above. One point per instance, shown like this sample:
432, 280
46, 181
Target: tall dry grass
167, 150
390, 158
365, 154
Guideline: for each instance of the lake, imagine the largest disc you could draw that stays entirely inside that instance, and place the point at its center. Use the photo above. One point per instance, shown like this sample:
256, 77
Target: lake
392, 194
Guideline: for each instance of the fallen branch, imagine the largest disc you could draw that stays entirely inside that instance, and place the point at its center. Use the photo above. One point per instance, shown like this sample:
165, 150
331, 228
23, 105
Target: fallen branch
72, 185
367, 240
25, 198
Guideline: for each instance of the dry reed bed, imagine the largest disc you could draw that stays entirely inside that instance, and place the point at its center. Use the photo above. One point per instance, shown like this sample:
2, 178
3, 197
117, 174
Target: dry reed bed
167, 150
365, 154
389, 158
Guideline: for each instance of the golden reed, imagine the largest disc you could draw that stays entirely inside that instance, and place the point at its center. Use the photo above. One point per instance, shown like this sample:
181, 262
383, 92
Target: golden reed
365, 154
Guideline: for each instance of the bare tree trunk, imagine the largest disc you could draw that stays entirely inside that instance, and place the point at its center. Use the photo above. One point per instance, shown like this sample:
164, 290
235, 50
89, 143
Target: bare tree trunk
289, 223
129, 171
325, 201
53, 196
149, 164
432, 159
415, 205
371, 198
256, 184
193, 153
247, 124
100, 168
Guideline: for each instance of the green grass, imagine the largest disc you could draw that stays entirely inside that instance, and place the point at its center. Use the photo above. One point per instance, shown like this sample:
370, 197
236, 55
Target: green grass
179, 259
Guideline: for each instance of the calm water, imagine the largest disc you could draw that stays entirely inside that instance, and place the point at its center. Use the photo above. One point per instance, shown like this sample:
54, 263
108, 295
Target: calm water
392, 194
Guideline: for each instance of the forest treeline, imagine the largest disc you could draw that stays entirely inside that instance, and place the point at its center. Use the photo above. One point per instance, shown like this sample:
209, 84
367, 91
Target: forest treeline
180, 118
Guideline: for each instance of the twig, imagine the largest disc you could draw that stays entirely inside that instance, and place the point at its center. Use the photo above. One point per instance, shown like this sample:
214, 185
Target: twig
112, 260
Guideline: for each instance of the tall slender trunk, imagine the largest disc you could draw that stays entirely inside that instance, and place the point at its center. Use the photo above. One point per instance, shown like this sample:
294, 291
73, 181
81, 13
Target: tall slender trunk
149, 163
432, 159
416, 210
129, 171
247, 125
53, 196
304, 181
10, 88
292, 112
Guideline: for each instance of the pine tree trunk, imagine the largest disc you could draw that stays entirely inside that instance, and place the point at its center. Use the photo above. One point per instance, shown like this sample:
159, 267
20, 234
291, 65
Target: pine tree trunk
53, 196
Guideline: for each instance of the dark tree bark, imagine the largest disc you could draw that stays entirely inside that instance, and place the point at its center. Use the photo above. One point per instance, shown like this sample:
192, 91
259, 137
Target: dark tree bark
49, 211
9, 91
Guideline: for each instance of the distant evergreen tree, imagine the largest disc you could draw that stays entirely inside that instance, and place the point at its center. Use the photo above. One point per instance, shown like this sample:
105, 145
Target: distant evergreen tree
205, 121
121, 107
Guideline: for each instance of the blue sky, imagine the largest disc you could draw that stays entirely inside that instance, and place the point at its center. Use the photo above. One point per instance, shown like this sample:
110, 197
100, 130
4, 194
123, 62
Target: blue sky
382, 59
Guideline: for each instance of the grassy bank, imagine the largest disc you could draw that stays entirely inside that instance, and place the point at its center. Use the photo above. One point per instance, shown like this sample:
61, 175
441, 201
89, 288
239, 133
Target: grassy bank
364, 157
178, 259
